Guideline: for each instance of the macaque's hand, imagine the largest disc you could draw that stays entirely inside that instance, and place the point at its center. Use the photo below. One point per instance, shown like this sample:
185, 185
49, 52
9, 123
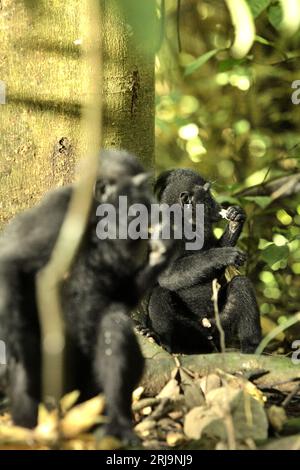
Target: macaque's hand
231, 256
235, 214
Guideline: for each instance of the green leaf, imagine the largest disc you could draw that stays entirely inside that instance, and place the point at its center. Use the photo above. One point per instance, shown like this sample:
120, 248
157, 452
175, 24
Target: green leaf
263, 41
261, 201
223, 198
273, 254
229, 64
258, 6
196, 64
275, 15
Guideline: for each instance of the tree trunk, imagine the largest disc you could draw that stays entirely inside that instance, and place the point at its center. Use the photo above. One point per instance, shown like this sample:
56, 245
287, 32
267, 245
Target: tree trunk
40, 122
129, 52
41, 66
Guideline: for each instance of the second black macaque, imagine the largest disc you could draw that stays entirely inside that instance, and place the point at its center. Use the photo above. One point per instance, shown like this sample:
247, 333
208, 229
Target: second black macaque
107, 279
180, 313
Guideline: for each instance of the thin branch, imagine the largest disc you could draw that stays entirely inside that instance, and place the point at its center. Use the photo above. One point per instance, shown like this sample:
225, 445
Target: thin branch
178, 12
291, 395
278, 188
279, 329
215, 289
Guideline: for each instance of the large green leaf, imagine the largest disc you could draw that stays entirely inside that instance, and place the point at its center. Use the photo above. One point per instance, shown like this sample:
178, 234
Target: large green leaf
224, 198
230, 63
273, 254
258, 6
261, 201
275, 15
196, 64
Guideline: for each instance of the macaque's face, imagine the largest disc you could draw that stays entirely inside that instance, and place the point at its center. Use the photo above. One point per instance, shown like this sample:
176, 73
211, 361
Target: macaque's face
200, 194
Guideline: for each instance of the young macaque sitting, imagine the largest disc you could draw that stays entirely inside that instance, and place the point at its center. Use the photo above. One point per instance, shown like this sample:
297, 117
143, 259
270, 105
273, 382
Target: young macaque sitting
180, 312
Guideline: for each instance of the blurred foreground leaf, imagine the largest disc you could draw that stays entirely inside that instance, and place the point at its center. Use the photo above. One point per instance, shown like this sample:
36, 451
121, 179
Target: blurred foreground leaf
193, 66
243, 23
82, 417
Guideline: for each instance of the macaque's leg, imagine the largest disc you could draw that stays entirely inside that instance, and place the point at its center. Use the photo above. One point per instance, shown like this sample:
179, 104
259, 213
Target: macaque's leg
162, 317
24, 382
118, 366
240, 314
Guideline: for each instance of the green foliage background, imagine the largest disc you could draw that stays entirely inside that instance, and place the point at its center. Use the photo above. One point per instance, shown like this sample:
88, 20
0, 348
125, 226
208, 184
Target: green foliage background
233, 120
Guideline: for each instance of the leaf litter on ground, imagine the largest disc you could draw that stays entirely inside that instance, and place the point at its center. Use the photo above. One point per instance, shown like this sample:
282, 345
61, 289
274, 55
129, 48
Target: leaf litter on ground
216, 411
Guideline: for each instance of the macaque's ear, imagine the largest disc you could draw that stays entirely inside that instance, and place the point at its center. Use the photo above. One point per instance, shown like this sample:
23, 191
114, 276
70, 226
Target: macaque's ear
184, 198
140, 179
207, 186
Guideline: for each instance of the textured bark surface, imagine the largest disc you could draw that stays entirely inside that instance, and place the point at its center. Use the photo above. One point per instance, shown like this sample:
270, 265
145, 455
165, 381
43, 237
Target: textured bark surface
40, 64
39, 124
129, 76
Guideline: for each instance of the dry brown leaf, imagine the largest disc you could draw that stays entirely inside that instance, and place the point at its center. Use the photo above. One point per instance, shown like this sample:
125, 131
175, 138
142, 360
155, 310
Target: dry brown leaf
171, 390
144, 427
20, 446
47, 428
248, 414
137, 393
203, 421
193, 394
109, 443
277, 417
175, 438
175, 414
82, 442
16, 434
69, 400
285, 443
209, 382
82, 417
238, 381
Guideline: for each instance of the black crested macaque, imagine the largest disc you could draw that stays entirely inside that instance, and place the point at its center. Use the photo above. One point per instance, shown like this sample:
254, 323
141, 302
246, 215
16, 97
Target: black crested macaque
107, 279
179, 309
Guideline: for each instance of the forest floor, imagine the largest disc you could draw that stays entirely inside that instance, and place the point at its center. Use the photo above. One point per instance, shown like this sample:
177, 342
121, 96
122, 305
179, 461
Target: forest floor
183, 402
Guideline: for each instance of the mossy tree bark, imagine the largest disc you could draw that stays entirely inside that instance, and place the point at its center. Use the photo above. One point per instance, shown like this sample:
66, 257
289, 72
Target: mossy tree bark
129, 52
41, 67
39, 124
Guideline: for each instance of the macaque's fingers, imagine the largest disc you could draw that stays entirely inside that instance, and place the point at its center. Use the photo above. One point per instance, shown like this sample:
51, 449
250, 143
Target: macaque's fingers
235, 214
235, 257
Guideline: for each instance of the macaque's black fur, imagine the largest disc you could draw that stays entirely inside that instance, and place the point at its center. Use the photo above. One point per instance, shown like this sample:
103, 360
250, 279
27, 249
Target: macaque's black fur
107, 280
177, 305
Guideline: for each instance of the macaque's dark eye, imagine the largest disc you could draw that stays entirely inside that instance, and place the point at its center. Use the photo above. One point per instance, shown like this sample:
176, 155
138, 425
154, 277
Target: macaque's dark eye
185, 198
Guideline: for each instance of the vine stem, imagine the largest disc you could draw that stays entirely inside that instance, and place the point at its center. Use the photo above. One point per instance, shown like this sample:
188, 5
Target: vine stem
279, 329
50, 278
